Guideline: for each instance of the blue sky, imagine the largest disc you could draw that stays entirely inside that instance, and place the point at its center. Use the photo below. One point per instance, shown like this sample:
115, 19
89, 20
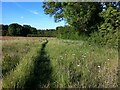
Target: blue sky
30, 13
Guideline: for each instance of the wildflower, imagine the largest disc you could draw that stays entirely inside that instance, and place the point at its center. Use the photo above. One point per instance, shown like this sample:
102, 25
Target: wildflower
84, 56
61, 57
108, 59
73, 54
11, 82
78, 65
99, 66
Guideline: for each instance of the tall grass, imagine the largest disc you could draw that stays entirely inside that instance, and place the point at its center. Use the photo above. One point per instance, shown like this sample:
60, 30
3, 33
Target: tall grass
18, 76
13, 51
60, 63
79, 64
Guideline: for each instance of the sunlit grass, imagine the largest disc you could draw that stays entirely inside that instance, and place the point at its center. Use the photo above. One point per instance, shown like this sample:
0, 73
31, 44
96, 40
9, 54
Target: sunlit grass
13, 51
79, 64
19, 68
58, 63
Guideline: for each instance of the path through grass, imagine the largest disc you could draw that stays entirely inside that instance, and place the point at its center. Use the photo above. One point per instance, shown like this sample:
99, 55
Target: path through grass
41, 76
65, 64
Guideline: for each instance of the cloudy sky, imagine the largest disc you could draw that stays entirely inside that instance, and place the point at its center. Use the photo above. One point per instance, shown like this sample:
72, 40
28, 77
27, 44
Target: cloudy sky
30, 13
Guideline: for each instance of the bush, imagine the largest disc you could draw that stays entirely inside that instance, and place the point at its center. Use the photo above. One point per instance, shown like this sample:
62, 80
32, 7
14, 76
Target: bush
107, 33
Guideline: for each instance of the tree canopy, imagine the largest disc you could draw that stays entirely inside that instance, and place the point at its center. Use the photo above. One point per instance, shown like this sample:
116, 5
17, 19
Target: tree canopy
81, 15
98, 21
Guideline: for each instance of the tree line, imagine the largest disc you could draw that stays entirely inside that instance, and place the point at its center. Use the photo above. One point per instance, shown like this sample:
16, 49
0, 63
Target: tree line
97, 22
15, 29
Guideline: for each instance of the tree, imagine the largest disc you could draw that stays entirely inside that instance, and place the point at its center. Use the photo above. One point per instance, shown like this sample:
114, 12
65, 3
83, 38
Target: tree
110, 26
108, 31
82, 16
33, 30
26, 30
4, 29
19, 30
54, 9
12, 29
15, 29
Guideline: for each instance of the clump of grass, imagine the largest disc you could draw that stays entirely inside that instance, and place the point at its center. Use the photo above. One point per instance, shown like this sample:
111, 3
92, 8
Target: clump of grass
17, 77
79, 64
13, 51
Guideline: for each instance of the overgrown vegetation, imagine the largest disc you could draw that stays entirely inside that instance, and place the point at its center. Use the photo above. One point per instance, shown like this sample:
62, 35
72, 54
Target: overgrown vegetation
93, 21
81, 61
71, 64
15, 29
13, 52
79, 64
19, 72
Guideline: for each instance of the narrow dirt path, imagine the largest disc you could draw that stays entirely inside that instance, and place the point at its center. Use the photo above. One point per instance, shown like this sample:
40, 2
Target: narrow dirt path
41, 76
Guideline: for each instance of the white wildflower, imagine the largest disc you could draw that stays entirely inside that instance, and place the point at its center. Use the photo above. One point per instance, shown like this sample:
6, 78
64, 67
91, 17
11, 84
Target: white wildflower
61, 57
99, 66
11, 82
84, 56
73, 54
78, 65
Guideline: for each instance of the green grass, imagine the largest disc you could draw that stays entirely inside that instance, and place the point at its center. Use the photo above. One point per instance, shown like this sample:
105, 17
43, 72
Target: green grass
18, 76
61, 63
13, 52
78, 64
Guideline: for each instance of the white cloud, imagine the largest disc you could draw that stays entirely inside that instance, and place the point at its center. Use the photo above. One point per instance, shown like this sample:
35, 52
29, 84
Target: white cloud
25, 24
21, 17
34, 12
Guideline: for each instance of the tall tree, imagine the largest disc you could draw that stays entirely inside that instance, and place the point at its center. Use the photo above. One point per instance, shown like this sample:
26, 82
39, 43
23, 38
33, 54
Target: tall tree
26, 30
12, 29
15, 29
33, 30
4, 29
82, 16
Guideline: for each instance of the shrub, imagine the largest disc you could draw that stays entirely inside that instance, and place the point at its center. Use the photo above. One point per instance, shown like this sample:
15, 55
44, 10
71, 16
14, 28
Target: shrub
107, 33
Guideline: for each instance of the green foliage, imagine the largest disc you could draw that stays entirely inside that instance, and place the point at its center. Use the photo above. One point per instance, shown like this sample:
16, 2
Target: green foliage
15, 29
68, 32
46, 33
12, 29
4, 30
82, 16
54, 8
86, 21
108, 31
33, 30
27, 30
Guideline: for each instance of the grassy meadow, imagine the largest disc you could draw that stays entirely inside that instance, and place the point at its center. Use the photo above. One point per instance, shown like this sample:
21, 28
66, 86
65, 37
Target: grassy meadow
38, 62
